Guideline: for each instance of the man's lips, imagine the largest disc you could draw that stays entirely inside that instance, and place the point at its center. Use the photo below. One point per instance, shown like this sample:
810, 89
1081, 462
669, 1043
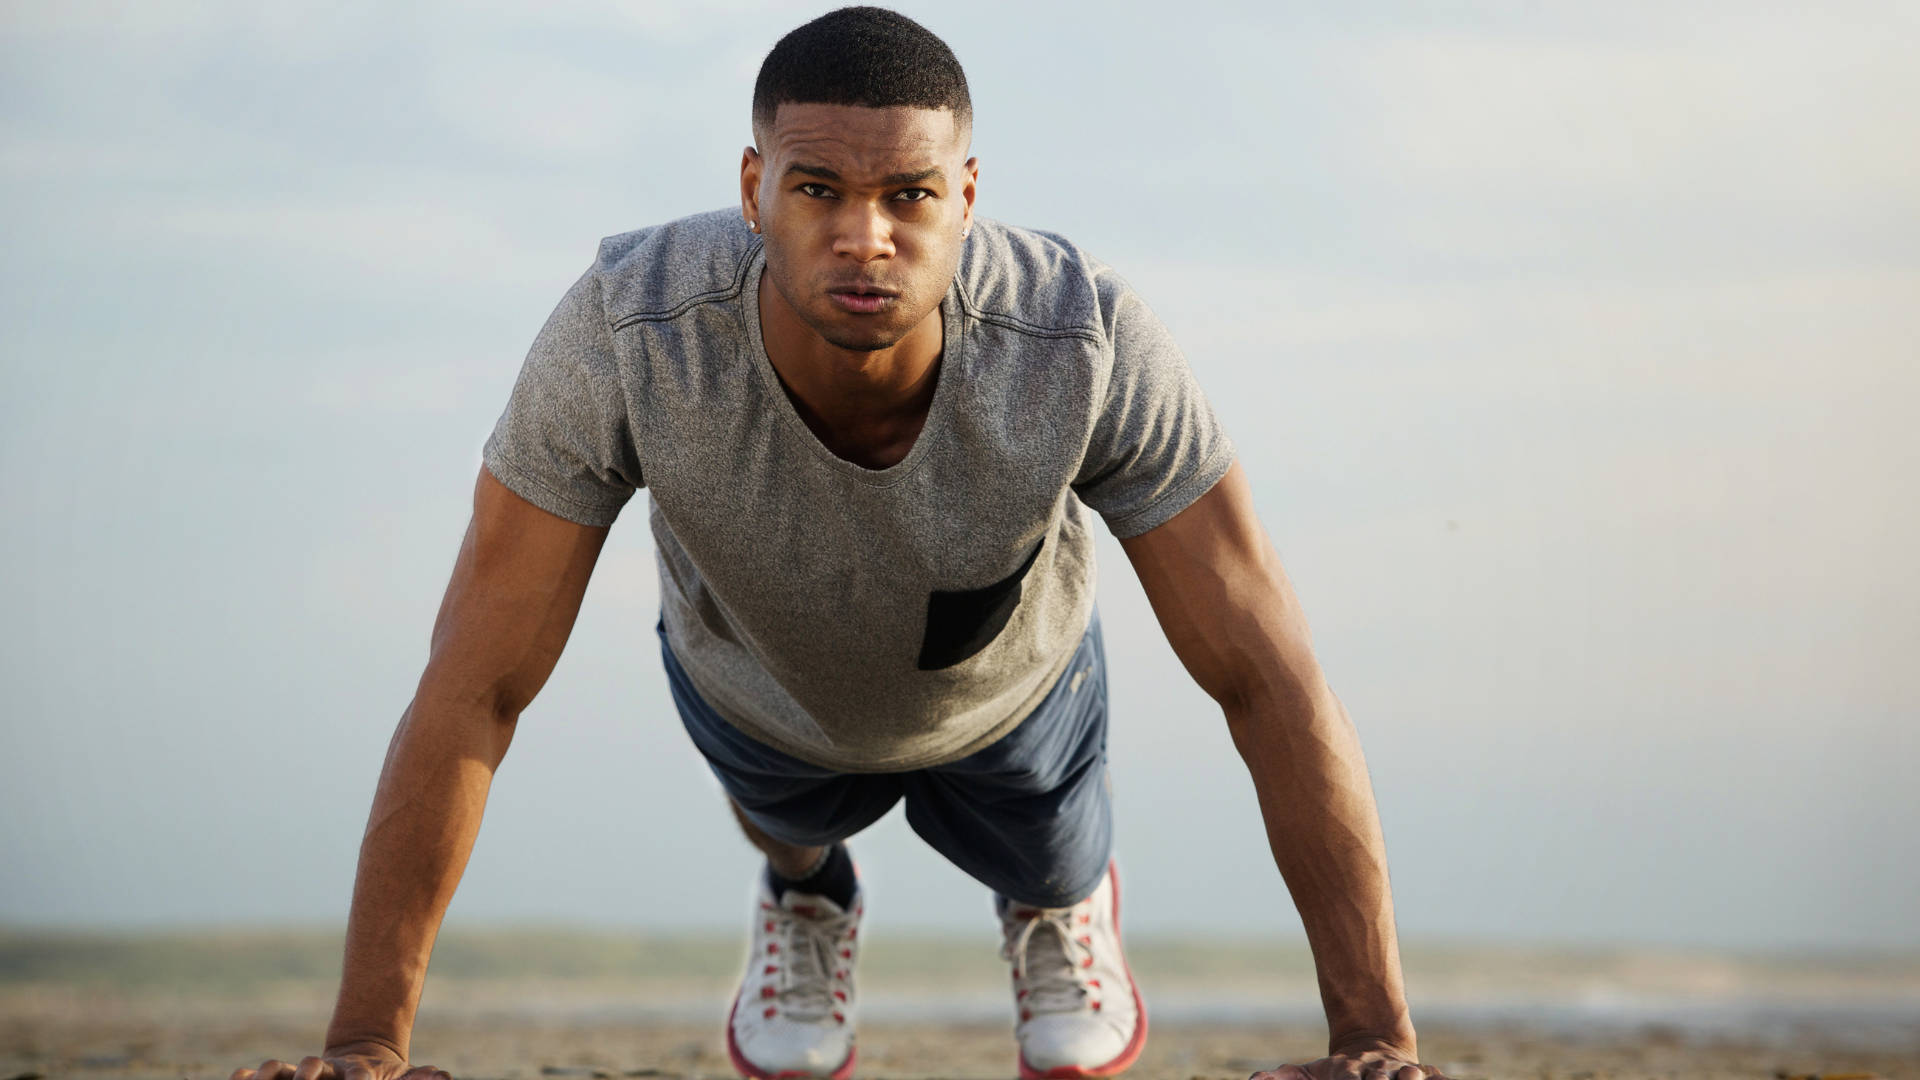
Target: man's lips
862, 299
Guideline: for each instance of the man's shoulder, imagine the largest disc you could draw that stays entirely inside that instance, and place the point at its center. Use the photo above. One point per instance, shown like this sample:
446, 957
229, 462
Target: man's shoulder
1037, 283
657, 273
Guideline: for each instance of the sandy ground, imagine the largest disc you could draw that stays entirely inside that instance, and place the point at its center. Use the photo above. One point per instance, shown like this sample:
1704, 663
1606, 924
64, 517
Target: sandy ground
53, 1032
106, 1011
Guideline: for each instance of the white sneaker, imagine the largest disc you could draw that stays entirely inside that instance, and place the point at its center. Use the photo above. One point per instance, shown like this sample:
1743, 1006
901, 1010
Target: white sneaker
793, 1015
1080, 1012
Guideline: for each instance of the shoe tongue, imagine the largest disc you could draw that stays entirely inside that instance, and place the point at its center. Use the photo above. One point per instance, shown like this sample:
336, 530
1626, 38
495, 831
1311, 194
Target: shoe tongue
810, 960
1050, 968
1047, 939
811, 905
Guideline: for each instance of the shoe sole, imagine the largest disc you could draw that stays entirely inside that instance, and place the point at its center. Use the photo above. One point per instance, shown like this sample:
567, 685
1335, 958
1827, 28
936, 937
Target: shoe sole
1128, 1054
844, 1071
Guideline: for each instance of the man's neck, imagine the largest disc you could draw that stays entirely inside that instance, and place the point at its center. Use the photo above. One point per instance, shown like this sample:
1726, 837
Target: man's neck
866, 407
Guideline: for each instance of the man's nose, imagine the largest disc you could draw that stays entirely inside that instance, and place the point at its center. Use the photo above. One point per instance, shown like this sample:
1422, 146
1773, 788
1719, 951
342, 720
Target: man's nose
863, 232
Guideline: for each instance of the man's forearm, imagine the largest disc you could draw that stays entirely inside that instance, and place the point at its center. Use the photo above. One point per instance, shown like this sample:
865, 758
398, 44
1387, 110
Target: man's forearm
426, 813
1322, 825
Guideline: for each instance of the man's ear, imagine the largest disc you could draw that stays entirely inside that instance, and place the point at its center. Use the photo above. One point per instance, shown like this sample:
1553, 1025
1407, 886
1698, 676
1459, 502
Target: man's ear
750, 170
969, 185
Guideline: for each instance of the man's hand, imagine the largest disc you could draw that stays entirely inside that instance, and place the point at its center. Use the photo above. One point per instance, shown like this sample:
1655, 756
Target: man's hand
1365, 1059
351, 1061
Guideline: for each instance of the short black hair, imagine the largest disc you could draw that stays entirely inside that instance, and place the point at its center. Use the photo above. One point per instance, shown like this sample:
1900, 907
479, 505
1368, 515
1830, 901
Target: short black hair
861, 56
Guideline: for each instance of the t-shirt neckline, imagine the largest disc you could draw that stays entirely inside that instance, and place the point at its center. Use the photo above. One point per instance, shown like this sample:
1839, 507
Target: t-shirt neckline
952, 330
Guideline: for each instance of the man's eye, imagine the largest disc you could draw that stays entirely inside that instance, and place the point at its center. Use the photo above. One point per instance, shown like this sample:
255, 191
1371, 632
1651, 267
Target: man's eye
818, 191
918, 194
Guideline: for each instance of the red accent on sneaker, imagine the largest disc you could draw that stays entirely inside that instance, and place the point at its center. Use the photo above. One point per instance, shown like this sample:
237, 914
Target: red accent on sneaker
846, 954
768, 991
1093, 983
1088, 962
1086, 939
769, 927
771, 1012
772, 947
771, 969
841, 1017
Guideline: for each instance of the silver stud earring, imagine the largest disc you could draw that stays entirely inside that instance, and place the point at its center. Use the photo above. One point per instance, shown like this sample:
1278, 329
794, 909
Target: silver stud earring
754, 226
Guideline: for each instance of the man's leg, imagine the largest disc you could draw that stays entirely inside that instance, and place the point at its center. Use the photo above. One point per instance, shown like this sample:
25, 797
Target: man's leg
790, 861
1031, 817
826, 870
794, 1011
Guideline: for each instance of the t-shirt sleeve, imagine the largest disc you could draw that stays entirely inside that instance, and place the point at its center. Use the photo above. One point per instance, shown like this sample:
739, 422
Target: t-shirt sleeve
1156, 446
565, 442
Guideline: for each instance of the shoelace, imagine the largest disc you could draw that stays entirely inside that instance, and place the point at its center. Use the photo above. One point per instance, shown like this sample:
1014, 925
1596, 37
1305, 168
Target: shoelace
810, 955
1049, 963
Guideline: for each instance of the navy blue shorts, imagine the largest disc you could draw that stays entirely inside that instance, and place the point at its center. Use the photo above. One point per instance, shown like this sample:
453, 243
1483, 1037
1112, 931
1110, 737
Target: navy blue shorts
1029, 816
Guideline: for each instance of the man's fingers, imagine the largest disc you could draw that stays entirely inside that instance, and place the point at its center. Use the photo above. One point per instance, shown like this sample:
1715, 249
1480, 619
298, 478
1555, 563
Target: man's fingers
268, 1070
426, 1072
315, 1068
1283, 1072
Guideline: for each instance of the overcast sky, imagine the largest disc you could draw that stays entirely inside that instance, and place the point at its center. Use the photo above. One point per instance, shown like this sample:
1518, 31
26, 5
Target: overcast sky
1572, 351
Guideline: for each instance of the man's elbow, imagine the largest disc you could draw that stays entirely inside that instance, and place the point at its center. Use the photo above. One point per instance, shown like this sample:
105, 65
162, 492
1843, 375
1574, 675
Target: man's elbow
1260, 694
478, 714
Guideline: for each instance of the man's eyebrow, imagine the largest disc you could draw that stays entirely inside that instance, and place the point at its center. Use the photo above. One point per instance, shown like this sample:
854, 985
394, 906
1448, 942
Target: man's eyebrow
891, 180
930, 173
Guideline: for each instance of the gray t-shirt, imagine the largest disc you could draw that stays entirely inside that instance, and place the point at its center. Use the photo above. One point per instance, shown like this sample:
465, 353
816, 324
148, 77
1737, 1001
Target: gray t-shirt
862, 619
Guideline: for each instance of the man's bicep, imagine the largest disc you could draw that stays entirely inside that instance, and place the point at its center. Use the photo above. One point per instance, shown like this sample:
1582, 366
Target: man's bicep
1222, 598
516, 588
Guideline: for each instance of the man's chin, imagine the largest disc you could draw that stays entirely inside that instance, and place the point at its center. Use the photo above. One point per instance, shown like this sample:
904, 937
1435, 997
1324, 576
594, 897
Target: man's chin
859, 344
859, 338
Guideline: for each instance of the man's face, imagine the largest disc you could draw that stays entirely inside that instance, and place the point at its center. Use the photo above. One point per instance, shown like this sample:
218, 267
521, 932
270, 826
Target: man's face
862, 210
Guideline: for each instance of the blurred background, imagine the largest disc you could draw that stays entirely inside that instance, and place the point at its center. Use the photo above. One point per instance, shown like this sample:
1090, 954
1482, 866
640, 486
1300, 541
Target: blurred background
1571, 351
